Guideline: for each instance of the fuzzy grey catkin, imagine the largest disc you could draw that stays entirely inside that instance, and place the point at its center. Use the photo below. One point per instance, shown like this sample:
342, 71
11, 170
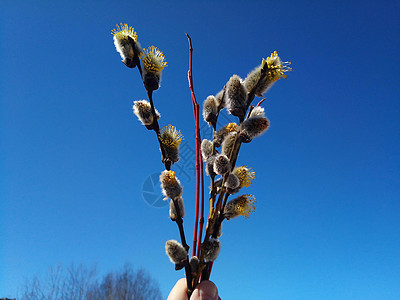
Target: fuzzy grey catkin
257, 111
210, 110
153, 62
232, 181
236, 97
257, 82
175, 251
221, 164
206, 149
194, 265
173, 213
252, 128
129, 50
246, 175
142, 109
243, 205
232, 184
231, 209
170, 139
170, 185
221, 133
229, 143
210, 165
211, 249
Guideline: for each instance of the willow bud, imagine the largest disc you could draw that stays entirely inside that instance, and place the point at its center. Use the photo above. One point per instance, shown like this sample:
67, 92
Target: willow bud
210, 165
221, 164
210, 110
173, 212
236, 97
125, 41
206, 149
252, 128
170, 139
264, 76
170, 185
194, 265
175, 251
245, 175
142, 109
232, 182
229, 143
241, 206
211, 249
223, 132
153, 64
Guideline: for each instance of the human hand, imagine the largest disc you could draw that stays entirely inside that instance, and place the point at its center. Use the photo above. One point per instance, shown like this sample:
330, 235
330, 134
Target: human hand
205, 290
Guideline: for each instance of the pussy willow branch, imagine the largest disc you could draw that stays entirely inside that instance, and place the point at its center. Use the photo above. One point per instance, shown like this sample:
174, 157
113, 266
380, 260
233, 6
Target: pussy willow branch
196, 218
196, 120
167, 164
199, 161
216, 217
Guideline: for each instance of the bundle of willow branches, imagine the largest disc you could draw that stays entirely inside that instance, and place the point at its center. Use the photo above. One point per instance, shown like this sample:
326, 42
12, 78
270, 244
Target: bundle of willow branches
219, 155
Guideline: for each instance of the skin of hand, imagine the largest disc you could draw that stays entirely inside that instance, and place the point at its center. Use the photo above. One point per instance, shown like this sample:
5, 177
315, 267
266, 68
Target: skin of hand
205, 290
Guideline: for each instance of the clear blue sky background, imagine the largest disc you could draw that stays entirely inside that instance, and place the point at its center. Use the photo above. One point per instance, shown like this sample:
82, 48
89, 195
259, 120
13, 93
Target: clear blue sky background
74, 158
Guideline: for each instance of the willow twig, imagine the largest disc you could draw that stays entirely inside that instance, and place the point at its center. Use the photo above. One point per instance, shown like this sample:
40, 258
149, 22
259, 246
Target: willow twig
156, 129
179, 222
201, 221
199, 165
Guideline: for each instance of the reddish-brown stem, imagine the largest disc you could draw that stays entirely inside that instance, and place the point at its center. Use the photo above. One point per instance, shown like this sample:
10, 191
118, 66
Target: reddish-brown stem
198, 152
199, 165
202, 196
196, 220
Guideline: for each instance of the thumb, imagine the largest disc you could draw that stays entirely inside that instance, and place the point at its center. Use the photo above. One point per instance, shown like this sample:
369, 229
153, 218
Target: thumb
205, 290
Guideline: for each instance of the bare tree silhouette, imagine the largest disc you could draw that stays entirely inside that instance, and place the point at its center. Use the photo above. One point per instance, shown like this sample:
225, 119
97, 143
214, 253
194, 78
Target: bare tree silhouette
82, 283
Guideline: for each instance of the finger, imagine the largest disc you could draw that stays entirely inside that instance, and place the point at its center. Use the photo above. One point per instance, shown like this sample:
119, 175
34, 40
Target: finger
179, 291
205, 290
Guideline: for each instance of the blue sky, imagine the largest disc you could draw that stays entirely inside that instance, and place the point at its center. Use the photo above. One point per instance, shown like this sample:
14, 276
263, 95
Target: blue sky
74, 158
